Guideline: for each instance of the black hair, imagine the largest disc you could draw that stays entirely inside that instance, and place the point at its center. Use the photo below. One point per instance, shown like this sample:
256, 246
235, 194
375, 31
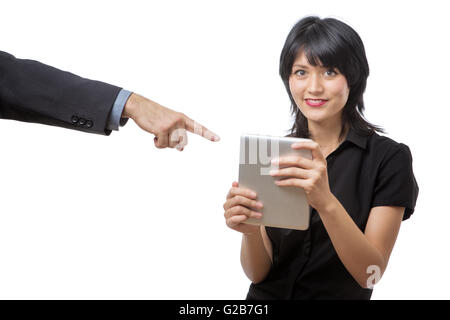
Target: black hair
332, 44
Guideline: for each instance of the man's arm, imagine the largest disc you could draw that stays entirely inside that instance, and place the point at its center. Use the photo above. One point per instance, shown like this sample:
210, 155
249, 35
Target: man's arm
34, 92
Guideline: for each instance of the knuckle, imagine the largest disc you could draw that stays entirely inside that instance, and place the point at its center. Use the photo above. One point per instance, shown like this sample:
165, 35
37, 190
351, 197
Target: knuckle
178, 119
234, 210
318, 175
230, 222
160, 128
243, 199
166, 127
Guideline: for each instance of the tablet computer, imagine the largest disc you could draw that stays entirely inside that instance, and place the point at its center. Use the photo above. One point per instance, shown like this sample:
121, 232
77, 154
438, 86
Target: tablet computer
284, 207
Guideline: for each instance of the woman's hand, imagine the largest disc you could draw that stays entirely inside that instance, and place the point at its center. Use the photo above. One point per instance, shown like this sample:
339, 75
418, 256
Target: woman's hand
311, 175
241, 204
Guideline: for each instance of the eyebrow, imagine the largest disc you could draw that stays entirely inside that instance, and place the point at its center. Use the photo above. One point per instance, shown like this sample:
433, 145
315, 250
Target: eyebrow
306, 67
300, 66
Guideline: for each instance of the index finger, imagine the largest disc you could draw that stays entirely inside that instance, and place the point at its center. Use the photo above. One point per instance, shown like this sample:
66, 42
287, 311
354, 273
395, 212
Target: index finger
197, 128
311, 145
297, 161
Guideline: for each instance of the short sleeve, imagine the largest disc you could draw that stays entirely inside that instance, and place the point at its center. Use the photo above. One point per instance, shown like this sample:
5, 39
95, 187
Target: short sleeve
395, 183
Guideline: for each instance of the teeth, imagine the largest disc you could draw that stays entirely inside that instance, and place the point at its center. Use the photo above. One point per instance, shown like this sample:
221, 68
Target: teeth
315, 101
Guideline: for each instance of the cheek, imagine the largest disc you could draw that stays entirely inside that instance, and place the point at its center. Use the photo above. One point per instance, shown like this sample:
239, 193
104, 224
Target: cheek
296, 88
339, 90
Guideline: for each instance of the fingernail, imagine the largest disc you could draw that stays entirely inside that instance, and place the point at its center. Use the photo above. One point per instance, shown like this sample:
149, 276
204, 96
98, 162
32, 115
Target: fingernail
257, 215
215, 138
274, 161
259, 204
273, 172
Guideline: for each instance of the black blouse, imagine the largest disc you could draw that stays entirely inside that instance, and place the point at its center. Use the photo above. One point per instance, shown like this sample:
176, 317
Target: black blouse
363, 172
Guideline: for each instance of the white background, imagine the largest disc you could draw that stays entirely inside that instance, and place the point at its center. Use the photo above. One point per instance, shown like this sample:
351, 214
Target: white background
85, 216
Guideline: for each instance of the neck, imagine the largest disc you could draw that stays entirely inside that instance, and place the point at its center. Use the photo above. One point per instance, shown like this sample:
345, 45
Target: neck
327, 135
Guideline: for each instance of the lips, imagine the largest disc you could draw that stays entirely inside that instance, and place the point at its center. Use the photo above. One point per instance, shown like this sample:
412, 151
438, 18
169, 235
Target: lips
315, 102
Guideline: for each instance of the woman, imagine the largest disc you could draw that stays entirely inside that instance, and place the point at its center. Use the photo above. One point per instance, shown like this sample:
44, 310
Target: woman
359, 185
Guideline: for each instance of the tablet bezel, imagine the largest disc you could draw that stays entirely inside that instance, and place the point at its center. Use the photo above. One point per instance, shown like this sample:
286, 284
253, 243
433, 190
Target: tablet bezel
284, 207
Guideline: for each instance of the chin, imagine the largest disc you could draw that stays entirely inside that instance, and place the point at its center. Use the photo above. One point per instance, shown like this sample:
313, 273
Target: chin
317, 116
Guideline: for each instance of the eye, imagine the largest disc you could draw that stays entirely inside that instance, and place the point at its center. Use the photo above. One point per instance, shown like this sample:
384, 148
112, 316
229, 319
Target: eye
300, 72
330, 73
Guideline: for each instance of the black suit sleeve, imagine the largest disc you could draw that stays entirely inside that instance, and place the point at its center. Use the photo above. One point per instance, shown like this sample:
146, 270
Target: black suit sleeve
34, 92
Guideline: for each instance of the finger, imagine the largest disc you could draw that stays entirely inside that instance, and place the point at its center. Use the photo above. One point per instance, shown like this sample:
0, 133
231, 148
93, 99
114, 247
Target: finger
233, 185
178, 139
197, 128
240, 210
183, 141
162, 141
292, 182
235, 220
240, 200
235, 191
293, 161
310, 145
174, 137
290, 172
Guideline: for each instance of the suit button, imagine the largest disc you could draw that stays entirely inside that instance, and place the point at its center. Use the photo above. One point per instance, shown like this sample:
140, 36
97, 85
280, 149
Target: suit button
74, 119
82, 122
89, 123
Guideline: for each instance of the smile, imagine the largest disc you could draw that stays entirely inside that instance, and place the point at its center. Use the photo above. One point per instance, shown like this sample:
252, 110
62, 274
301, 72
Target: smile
315, 102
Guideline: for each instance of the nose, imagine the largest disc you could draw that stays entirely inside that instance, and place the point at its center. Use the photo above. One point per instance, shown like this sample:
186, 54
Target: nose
315, 86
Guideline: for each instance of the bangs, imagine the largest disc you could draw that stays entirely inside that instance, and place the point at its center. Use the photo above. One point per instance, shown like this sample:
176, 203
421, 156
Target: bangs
321, 49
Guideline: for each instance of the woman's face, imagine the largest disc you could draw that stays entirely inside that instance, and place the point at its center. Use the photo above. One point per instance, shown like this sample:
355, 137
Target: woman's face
320, 93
